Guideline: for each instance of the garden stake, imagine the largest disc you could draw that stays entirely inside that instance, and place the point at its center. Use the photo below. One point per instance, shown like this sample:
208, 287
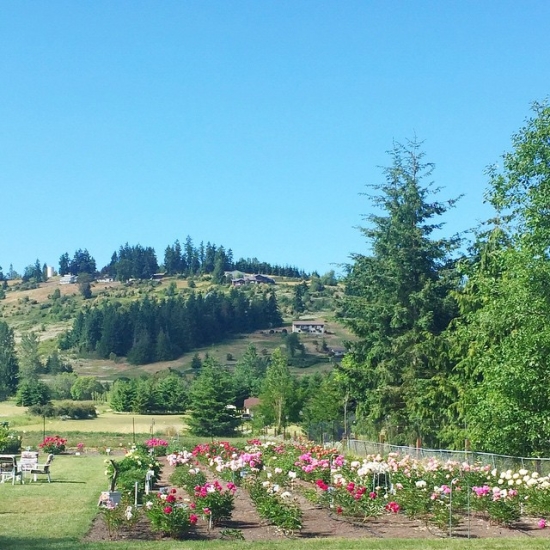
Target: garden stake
453, 481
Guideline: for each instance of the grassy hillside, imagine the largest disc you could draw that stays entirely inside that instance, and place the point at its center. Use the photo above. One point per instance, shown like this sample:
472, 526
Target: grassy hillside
49, 309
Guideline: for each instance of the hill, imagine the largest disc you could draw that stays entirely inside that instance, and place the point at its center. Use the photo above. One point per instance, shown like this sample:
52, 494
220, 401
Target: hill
49, 310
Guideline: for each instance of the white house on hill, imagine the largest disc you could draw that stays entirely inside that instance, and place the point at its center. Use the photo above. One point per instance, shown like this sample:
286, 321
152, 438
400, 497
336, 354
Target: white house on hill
312, 327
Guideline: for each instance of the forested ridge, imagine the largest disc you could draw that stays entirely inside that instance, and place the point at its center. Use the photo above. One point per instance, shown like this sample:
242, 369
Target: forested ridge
151, 329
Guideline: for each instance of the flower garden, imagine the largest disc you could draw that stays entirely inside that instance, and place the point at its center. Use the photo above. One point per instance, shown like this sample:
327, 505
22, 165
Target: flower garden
283, 479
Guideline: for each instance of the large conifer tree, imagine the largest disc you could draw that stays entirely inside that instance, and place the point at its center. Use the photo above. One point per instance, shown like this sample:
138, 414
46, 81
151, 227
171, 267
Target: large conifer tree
397, 299
9, 367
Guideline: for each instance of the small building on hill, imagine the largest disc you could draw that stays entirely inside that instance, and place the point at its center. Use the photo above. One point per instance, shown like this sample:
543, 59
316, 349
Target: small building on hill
67, 280
311, 327
252, 280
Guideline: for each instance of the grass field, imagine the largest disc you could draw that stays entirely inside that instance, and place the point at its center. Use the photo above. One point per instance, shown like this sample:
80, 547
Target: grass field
107, 421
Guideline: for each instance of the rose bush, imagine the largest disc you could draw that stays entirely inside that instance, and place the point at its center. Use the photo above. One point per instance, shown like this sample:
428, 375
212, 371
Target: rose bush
53, 444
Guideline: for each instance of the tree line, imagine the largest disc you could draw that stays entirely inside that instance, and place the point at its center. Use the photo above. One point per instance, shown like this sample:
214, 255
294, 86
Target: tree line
139, 262
452, 348
152, 330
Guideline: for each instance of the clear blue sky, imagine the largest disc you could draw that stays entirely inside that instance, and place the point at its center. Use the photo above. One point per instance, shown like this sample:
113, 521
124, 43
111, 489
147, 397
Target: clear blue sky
250, 124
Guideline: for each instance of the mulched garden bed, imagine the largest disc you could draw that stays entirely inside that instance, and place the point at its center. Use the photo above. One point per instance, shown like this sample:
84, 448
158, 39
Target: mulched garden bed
317, 523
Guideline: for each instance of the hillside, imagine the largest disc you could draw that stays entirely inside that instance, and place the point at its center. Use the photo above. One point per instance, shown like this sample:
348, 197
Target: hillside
50, 308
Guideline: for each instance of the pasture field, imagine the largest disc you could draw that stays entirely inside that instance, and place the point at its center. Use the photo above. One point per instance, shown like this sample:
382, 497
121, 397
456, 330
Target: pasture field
107, 421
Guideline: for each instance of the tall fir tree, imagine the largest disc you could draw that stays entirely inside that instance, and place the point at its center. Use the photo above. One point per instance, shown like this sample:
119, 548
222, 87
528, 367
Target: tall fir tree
397, 299
9, 366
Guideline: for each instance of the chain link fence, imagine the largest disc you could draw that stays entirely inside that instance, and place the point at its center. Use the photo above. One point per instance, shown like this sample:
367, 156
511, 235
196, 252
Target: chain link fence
359, 447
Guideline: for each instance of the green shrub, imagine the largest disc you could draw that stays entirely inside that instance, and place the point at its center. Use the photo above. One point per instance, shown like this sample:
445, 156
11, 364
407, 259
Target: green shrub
10, 441
73, 410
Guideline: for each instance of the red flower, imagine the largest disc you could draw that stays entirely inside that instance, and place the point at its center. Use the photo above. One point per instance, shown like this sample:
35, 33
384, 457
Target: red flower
392, 507
322, 485
170, 498
193, 519
339, 510
168, 509
372, 495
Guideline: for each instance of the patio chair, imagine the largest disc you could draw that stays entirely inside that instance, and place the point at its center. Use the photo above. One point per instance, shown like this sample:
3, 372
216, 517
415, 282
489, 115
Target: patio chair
43, 469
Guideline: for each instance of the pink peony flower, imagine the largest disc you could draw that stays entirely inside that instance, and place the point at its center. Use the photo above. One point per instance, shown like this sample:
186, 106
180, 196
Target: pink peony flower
542, 523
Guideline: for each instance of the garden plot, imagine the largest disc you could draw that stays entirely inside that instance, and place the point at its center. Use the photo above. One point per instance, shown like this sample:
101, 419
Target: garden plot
330, 496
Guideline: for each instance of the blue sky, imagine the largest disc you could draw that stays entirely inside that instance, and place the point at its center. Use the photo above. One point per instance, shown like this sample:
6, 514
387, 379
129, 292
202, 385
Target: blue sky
250, 124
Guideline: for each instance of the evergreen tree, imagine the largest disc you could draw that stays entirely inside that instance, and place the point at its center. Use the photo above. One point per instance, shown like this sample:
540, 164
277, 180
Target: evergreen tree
172, 394
85, 285
32, 392
299, 298
196, 362
64, 263
211, 400
122, 395
82, 262
248, 375
397, 299
145, 396
30, 365
9, 366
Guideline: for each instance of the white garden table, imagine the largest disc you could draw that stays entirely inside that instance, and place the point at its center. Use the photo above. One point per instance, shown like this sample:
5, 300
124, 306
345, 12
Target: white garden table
9, 470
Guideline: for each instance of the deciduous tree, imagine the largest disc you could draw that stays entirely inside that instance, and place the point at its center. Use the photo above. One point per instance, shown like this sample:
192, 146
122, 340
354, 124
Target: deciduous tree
504, 332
